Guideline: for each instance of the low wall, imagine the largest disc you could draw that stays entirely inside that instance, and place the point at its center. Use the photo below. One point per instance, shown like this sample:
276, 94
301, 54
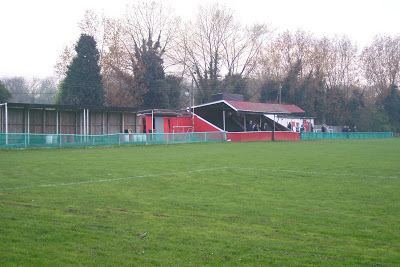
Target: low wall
262, 136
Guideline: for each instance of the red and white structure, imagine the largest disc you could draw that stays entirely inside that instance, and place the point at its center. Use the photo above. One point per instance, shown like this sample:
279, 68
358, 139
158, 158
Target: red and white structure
241, 120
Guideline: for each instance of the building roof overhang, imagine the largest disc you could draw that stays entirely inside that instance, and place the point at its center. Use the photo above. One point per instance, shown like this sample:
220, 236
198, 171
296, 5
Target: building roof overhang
257, 108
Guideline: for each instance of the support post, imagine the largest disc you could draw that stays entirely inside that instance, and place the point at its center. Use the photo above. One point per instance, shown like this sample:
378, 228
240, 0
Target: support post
57, 122
102, 122
25, 126
29, 125
135, 123
152, 120
84, 121
60, 123
273, 130
152, 125
76, 122
44, 121
24, 121
80, 123
192, 108
223, 118
57, 126
108, 130
6, 120
123, 122
87, 122
1, 119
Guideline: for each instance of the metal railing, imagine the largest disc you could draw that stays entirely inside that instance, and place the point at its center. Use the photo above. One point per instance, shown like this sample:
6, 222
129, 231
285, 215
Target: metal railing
24, 140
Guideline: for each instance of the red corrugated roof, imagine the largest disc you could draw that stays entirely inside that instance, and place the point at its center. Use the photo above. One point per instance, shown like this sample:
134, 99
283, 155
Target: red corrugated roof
264, 107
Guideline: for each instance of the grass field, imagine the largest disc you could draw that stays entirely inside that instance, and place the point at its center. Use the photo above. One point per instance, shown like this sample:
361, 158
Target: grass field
304, 203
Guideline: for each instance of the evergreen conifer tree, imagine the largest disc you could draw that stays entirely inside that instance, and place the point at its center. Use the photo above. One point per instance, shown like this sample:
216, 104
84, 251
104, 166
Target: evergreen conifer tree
149, 73
82, 84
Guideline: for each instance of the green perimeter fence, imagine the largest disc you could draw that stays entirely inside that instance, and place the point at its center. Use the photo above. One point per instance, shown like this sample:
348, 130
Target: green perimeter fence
350, 135
21, 140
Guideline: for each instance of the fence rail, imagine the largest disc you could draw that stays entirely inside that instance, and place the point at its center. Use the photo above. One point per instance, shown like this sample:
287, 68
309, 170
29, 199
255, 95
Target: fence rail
350, 135
22, 140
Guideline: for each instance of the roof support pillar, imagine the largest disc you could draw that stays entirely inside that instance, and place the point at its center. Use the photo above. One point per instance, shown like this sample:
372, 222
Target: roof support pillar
152, 121
107, 117
273, 130
223, 119
44, 121
87, 122
28, 127
76, 122
60, 122
6, 121
57, 121
123, 122
102, 122
84, 121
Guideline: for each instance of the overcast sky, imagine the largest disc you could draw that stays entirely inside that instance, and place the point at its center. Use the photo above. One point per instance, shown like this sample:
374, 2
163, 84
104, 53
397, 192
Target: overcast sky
34, 32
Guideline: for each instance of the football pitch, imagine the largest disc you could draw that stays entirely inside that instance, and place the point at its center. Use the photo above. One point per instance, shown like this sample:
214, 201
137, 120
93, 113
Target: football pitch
330, 203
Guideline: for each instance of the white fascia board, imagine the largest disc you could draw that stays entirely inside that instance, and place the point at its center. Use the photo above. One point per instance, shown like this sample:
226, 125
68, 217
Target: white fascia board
216, 102
229, 105
208, 104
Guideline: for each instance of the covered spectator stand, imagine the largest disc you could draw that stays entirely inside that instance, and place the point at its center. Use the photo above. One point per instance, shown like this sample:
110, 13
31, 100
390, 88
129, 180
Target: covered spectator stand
249, 121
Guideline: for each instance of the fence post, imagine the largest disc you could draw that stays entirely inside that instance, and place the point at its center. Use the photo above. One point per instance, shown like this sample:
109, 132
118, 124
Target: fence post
6, 121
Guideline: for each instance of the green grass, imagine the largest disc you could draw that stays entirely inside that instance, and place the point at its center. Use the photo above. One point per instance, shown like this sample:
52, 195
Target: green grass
305, 203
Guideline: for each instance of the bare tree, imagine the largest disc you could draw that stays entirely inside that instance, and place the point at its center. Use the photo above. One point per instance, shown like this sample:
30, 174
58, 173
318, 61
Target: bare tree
33, 90
215, 45
242, 48
143, 23
340, 66
63, 61
203, 44
380, 62
286, 50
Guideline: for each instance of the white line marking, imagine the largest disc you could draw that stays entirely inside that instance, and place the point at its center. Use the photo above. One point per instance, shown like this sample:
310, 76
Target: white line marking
319, 173
109, 180
192, 171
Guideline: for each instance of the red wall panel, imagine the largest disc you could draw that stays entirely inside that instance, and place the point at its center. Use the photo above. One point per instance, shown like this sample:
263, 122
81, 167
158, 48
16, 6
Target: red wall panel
180, 124
148, 124
201, 125
262, 136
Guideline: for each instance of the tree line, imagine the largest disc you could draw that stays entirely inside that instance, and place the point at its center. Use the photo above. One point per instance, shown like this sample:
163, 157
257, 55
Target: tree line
149, 58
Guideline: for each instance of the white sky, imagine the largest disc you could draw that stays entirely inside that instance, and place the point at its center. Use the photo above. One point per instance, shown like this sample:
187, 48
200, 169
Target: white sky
34, 32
